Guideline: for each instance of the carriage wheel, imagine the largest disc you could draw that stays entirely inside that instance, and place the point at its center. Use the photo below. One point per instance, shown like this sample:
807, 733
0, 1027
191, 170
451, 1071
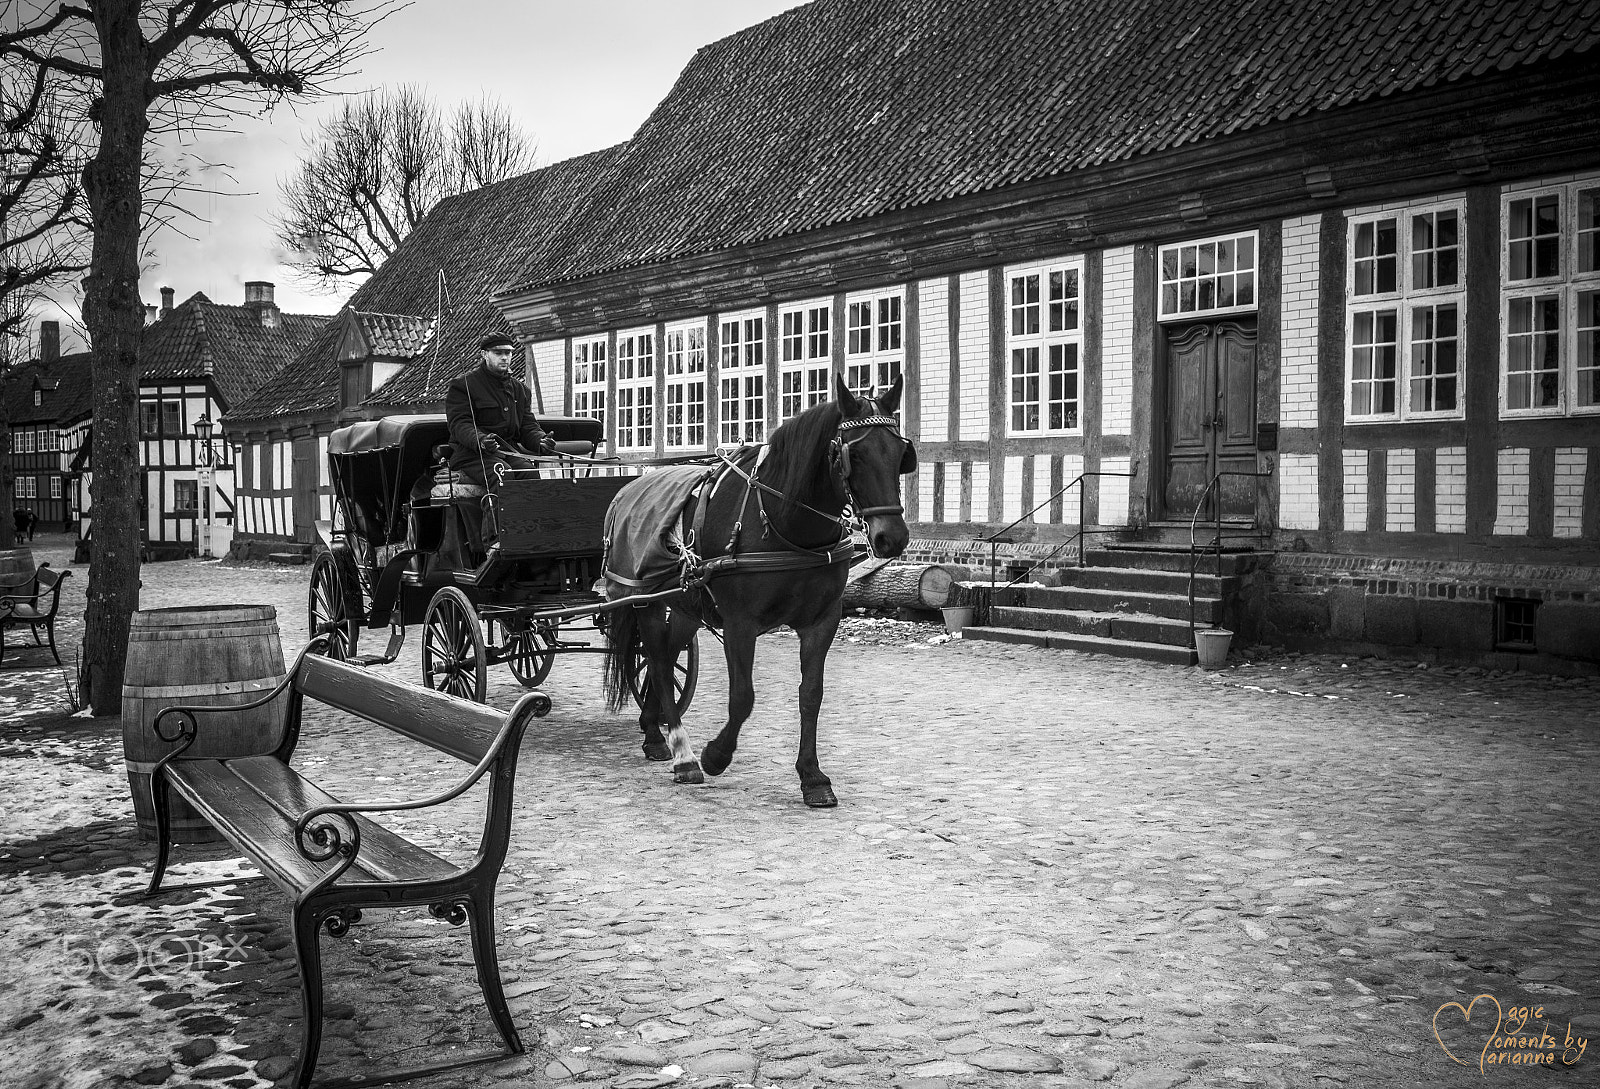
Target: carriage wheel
528, 651
453, 658
334, 607
685, 673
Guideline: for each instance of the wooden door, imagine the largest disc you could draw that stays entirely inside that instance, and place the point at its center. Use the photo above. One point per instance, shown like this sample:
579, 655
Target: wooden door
1210, 419
303, 489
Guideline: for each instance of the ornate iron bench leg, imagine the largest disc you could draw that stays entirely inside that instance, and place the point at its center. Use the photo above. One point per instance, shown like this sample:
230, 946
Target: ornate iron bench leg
488, 965
307, 930
158, 802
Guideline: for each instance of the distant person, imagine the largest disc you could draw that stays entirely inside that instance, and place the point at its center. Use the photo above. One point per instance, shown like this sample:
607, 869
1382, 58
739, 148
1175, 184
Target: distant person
25, 521
491, 415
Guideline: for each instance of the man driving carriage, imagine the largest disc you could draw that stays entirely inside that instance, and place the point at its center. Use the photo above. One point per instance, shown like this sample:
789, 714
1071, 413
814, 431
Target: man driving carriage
491, 416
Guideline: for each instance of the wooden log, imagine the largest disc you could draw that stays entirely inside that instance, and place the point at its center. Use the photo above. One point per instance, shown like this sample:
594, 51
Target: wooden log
898, 586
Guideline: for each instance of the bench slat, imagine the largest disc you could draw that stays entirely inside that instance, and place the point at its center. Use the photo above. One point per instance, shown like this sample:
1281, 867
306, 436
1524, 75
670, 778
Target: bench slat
254, 801
457, 727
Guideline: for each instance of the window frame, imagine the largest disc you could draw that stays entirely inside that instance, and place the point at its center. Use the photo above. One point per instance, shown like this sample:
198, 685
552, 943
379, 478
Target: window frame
1405, 302
636, 391
812, 364
1179, 315
685, 367
886, 312
589, 392
1567, 287
742, 360
1041, 340
178, 505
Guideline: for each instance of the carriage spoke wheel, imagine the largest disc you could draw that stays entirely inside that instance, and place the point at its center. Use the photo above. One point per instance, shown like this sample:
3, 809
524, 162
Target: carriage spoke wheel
453, 657
528, 650
685, 673
334, 608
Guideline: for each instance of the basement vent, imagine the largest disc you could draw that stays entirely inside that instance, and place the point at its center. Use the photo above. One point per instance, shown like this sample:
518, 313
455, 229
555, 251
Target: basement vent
1515, 624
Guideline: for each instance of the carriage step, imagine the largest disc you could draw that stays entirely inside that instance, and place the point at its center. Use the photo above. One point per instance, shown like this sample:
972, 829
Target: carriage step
371, 659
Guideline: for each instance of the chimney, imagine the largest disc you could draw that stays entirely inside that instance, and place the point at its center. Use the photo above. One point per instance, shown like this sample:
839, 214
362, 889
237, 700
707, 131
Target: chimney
258, 296
150, 313
166, 300
49, 341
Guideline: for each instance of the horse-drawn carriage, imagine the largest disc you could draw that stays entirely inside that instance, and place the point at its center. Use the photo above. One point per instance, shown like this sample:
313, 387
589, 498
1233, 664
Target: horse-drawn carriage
505, 577
754, 539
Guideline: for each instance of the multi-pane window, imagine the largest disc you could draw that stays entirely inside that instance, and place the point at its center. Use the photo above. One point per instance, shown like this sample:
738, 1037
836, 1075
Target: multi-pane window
1044, 343
742, 379
55, 487
683, 359
635, 366
24, 442
185, 495
874, 339
589, 377
1404, 300
149, 417
1550, 300
1208, 276
171, 418
806, 348
26, 487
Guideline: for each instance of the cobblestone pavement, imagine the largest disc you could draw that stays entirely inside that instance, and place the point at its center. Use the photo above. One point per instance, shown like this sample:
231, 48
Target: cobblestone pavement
1047, 870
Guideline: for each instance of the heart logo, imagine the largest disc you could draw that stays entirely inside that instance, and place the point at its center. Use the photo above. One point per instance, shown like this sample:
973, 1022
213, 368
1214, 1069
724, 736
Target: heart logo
1466, 1016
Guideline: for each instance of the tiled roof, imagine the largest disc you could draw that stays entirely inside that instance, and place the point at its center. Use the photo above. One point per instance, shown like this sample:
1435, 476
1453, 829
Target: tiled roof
66, 401
396, 336
477, 241
842, 110
201, 338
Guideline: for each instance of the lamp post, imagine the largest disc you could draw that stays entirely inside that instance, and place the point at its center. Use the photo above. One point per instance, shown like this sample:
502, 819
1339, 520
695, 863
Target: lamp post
205, 467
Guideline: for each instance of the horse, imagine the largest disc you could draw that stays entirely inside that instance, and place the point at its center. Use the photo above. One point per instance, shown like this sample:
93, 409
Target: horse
769, 547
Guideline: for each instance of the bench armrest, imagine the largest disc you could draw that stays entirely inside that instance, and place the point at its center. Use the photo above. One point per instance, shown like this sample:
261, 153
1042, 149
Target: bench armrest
328, 830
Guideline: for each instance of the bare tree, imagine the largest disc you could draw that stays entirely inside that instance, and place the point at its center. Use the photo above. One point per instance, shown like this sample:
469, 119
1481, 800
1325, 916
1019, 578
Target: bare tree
143, 67
370, 174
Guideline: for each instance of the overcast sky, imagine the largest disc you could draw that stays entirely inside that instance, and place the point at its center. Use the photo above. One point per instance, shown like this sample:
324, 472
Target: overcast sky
579, 75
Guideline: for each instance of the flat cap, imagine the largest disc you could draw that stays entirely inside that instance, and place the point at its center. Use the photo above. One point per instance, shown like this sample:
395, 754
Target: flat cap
496, 340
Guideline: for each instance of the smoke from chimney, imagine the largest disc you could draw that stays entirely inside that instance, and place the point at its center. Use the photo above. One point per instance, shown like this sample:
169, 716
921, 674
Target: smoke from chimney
49, 341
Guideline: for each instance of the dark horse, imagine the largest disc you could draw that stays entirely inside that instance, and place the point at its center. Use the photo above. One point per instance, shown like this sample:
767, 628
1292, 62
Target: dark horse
772, 550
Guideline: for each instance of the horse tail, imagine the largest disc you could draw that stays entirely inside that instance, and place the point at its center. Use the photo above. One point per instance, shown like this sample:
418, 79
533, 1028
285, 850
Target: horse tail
622, 636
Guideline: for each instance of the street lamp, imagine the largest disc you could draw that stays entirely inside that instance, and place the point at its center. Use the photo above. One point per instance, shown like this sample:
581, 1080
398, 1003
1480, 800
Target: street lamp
205, 466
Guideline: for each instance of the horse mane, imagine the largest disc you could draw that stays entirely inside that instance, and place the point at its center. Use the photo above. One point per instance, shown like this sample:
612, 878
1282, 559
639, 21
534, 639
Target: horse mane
797, 461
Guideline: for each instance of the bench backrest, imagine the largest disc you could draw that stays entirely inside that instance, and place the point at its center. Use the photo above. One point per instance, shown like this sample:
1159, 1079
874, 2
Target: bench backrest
453, 726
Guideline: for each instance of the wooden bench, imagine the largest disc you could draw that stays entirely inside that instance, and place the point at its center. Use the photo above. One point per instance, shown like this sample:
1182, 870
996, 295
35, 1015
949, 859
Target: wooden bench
33, 602
328, 855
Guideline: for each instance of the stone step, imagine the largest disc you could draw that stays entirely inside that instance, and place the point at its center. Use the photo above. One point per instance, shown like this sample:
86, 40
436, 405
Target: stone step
1169, 559
1173, 606
1119, 648
1132, 627
292, 558
1206, 583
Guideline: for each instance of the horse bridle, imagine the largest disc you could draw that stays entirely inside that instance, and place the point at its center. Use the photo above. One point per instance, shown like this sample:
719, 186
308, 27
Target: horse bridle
840, 454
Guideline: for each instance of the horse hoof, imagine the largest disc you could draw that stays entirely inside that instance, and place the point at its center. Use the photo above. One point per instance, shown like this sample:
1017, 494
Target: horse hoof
820, 797
657, 750
687, 773
714, 762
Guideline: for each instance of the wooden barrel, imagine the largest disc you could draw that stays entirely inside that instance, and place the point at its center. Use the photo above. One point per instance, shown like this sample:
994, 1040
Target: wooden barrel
16, 564
211, 655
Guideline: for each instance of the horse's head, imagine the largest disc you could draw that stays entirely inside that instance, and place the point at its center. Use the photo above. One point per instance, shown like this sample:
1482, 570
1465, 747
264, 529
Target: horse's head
871, 455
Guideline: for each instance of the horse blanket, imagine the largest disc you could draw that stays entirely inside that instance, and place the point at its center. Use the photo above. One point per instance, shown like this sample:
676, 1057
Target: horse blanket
644, 536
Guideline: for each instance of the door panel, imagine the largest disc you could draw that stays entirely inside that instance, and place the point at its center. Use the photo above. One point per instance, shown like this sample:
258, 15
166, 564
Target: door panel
1210, 418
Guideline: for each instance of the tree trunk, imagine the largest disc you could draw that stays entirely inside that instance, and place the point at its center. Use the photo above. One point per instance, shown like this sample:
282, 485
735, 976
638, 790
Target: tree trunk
114, 314
900, 585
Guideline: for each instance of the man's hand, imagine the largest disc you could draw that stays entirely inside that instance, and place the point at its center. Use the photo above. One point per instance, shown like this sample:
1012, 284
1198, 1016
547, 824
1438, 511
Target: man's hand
547, 445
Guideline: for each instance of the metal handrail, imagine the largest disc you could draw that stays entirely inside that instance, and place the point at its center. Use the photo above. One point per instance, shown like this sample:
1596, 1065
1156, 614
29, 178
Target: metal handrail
999, 536
1194, 555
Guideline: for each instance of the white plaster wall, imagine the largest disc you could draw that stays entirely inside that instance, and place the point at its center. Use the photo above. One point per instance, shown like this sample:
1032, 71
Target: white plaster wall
980, 491
1041, 486
1400, 492
1450, 489
1113, 494
1355, 490
1116, 344
974, 343
1572, 463
1011, 495
1298, 492
1511, 492
550, 364
1297, 382
933, 332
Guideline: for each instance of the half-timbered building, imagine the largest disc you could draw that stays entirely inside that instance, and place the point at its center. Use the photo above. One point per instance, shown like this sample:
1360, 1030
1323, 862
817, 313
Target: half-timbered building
1320, 275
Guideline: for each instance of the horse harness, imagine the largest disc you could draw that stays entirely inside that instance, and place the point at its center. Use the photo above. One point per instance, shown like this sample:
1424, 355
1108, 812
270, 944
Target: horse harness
697, 573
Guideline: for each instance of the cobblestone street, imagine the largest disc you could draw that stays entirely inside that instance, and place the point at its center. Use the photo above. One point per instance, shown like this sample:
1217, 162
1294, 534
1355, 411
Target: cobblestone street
1047, 869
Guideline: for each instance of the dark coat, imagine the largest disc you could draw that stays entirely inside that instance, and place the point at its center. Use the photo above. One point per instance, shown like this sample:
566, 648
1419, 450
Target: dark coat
483, 406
